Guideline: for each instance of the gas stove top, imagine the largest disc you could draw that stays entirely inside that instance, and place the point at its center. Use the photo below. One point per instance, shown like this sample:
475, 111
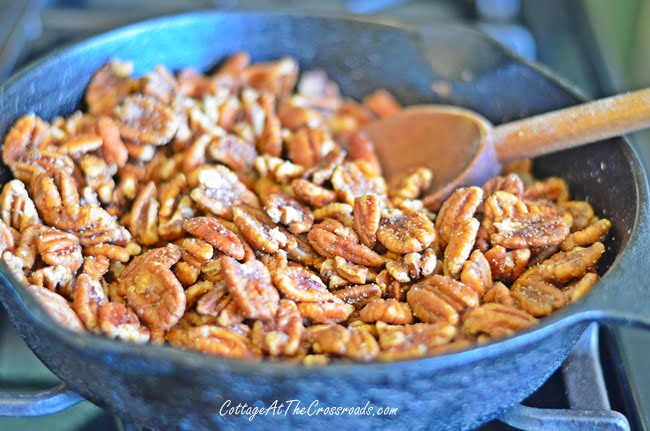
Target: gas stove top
609, 370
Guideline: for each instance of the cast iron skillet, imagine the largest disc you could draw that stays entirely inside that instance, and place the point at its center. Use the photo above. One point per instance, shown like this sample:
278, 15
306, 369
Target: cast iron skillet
171, 389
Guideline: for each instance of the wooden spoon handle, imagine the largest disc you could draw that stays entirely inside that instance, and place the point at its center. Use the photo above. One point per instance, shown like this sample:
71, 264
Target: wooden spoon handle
572, 127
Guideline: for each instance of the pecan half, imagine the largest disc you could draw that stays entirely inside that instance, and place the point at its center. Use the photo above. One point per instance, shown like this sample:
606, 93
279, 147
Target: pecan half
282, 335
439, 299
306, 146
499, 206
386, 310
537, 297
498, 293
574, 291
142, 220
405, 232
216, 234
217, 189
146, 121
57, 307
410, 185
331, 244
412, 341
213, 340
357, 274
301, 285
358, 295
108, 86
250, 283
530, 230
476, 273
16, 207
510, 183
581, 213
119, 322
460, 206
460, 246
233, 152
551, 189
28, 133
60, 248
283, 209
567, 265
337, 340
88, 298
354, 179
312, 194
367, 214
507, 265
220, 303
259, 229
589, 235
325, 312
496, 320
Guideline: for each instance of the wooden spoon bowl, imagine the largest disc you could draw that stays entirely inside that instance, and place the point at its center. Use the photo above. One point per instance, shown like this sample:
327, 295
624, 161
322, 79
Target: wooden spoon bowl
463, 148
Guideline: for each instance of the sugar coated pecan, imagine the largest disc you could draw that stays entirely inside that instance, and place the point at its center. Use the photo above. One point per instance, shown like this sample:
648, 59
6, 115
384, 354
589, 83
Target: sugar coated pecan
476, 273
250, 283
358, 295
574, 291
355, 179
60, 248
57, 307
440, 298
367, 214
510, 183
460, 206
216, 234
280, 336
412, 341
551, 189
499, 206
589, 235
300, 285
146, 121
537, 297
110, 84
119, 322
460, 246
325, 312
16, 207
217, 189
405, 232
530, 230
284, 209
387, 310
337, 340
213, 340
259, 229
496, 320
29, 132
499, 293
332, 244
575, 263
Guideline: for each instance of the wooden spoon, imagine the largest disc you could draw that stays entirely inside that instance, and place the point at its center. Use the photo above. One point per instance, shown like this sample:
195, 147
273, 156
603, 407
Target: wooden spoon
463, 148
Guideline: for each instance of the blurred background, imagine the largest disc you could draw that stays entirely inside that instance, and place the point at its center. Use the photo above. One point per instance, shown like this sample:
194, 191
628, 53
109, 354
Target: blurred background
599, 46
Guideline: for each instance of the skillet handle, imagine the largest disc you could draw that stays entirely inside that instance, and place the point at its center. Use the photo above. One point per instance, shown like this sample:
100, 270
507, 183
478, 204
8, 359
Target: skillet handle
39, 403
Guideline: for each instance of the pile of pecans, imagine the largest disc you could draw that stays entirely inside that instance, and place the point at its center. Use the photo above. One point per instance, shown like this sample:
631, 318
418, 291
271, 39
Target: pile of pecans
228, 214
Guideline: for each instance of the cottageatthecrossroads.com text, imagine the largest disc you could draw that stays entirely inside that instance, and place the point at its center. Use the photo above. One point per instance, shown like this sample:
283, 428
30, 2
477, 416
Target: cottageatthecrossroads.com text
296, 407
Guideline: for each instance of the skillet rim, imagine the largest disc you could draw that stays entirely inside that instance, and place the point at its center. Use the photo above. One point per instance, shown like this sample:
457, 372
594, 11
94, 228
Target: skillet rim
101, 347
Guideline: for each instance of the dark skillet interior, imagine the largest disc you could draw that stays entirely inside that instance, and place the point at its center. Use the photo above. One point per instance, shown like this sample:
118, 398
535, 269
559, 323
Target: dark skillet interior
483, 77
